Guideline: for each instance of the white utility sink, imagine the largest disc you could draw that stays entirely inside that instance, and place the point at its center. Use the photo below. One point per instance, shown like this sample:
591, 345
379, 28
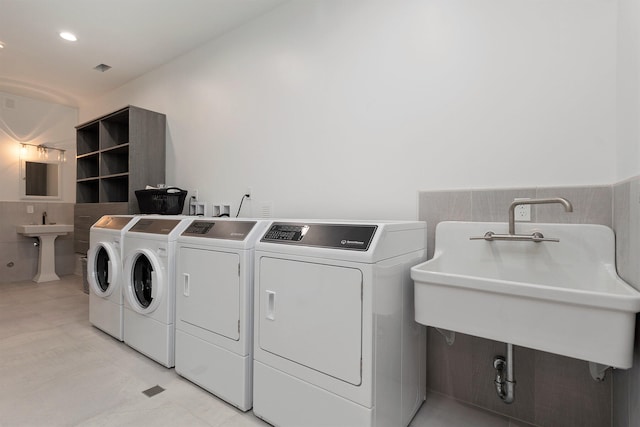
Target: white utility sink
563, 297
47, 234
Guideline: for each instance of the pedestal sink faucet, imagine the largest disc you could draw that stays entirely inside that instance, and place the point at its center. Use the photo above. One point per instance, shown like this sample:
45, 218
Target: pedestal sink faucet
512, 208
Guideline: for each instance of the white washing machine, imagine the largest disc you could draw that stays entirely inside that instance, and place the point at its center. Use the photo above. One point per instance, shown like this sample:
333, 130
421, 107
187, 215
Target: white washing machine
104, 273
335, 341
149, 285
214, 306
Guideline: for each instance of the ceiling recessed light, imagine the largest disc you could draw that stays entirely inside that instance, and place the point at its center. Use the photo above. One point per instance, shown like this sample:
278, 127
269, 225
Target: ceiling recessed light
68, 36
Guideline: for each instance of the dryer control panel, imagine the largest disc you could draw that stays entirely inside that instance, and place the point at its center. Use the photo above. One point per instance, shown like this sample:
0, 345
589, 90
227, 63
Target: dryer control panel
228, 230
334, 236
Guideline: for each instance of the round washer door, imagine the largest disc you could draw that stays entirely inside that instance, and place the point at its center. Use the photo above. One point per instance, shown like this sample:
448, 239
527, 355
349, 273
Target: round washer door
144, 281
103, 273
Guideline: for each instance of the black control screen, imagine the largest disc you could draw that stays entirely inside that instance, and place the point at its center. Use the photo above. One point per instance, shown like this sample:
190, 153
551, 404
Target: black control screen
199, 227
356, 237
288, 232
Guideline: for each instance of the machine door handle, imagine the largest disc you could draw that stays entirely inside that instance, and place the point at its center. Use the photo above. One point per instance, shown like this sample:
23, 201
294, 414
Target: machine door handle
271, 305
110, 272
186, 278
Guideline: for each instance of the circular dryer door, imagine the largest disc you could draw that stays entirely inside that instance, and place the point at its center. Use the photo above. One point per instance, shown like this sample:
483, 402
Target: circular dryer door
145, 281
103, 272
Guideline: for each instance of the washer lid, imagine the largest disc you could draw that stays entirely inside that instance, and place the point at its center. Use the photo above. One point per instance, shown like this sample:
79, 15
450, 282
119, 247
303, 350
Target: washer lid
113, 222
155, 226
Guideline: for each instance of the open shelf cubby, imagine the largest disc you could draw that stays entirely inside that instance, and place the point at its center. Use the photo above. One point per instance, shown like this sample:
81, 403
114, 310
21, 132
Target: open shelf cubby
114, 130
87, 138
87, 191
87, 166
114, 189
115, 160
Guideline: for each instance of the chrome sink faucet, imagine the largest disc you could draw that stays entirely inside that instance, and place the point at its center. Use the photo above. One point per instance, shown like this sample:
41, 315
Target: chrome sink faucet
512, 208
44, 217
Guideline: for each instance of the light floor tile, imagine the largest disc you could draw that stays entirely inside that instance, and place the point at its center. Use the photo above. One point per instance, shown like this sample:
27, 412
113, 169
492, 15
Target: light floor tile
440, 411
58, 370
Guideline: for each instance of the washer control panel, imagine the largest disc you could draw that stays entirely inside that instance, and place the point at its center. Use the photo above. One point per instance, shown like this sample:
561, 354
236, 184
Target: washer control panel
155, 226
112, 222
335, 236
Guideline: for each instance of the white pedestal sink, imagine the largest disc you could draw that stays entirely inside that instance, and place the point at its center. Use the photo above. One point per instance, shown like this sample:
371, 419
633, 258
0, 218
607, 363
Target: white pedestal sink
47, 234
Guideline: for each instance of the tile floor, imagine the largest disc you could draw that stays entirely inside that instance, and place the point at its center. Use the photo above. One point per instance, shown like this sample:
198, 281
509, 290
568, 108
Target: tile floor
58, 370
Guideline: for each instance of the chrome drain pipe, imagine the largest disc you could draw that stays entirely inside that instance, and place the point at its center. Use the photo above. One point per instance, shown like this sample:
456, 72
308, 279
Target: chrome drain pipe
504, 382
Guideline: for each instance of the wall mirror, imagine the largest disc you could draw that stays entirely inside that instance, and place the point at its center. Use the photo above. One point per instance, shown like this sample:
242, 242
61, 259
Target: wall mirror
40, 178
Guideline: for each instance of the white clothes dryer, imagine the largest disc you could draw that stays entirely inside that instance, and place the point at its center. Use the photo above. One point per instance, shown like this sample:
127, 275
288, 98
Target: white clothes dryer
104, 273
214, 306
335, 341
149, 286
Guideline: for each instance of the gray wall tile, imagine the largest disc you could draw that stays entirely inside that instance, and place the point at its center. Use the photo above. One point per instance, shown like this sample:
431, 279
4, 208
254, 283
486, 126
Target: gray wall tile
19, 261
621, 224
632, 235
620, 399
65, 256
634, 382
566, 395
437, 206
591, 205
449, 368
626, 224
493, 205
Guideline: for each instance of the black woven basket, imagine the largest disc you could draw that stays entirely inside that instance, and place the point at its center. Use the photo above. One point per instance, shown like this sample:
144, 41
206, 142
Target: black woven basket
163, 201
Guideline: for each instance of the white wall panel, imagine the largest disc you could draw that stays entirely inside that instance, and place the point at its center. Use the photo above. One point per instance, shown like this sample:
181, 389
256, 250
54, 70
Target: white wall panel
35, 122
347, 108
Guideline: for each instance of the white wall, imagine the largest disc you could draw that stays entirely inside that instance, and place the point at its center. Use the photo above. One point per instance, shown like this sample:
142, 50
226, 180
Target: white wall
37, 122
628, 78
347, 108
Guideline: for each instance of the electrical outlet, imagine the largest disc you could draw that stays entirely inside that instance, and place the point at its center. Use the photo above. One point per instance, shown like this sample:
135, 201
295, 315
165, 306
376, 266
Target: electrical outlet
523, 213
219, 209
29, 209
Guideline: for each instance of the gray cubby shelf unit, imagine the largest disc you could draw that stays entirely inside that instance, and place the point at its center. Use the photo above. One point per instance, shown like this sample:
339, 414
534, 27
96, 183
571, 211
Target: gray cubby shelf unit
117, 154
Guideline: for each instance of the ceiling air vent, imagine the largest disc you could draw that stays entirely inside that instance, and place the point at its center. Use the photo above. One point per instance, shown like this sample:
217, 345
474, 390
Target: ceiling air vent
102, 67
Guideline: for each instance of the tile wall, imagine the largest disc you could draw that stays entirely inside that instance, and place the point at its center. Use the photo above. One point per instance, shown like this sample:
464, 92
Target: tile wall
551, 390
18, 254
626, 223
